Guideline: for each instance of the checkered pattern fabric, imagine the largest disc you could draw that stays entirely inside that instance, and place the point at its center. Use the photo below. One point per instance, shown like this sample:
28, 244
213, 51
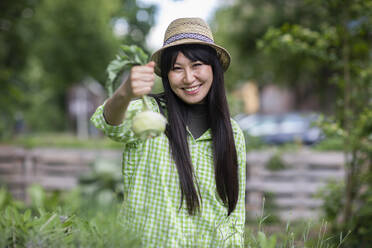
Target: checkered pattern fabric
152, 195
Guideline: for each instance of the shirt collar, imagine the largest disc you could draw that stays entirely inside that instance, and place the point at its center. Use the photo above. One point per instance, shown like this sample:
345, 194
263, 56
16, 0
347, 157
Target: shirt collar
207, 135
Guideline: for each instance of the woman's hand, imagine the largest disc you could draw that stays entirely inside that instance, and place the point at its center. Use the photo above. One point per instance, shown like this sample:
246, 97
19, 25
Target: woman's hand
140, 82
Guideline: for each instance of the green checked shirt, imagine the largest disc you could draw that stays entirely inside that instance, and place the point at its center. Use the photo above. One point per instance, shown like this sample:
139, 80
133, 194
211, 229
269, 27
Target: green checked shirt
152, 192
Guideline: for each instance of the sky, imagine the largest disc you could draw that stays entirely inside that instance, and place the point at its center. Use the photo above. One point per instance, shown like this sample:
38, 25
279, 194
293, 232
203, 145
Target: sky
169, 10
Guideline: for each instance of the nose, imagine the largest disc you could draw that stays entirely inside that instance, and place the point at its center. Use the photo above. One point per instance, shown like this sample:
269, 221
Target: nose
189, 77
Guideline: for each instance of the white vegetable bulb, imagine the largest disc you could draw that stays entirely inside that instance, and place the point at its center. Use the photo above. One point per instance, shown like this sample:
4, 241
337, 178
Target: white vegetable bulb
147, 124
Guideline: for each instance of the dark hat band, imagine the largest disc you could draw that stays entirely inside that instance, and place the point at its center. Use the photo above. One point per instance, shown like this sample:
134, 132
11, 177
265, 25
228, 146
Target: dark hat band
188, 36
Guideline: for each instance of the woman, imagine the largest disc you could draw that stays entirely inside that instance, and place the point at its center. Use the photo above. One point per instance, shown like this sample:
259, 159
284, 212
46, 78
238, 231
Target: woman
186, 187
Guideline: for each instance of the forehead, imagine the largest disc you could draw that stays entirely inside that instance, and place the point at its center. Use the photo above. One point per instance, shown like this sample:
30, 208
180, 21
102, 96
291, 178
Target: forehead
181, 58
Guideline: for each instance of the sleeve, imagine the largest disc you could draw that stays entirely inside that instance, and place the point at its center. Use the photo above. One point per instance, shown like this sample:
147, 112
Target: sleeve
121, 133
239, 213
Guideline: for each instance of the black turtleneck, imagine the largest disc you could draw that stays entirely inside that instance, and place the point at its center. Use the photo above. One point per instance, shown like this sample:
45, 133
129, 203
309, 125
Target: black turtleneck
197, 120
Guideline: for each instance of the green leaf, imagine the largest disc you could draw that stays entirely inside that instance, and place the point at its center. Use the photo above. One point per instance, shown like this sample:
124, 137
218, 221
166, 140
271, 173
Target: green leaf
27, 215
126, 57
114, 68
262, 240
265, 242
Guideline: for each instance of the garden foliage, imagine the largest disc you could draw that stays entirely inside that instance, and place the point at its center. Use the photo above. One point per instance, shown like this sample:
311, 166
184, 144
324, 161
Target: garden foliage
318, 48
50, 45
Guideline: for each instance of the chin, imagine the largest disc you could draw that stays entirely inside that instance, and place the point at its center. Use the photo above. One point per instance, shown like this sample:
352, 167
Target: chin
192, 101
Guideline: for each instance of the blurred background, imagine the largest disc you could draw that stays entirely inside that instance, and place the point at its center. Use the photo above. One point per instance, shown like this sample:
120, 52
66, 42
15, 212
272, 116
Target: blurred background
299, 86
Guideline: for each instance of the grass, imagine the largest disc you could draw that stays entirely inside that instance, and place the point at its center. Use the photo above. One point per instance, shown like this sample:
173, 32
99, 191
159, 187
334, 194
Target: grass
61, 140
300, 233
69, 140
78, 222
61, 222
330, 144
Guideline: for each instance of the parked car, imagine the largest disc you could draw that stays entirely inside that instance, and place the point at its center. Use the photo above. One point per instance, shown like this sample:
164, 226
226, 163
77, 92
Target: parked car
281, 128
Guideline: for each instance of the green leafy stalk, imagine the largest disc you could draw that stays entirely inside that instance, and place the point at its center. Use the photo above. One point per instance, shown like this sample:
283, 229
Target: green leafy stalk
127, 57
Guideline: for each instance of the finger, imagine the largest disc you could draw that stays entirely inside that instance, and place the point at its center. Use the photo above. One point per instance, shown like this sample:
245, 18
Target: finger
142, 78
151, 64
142, 91
142, 68
140, 85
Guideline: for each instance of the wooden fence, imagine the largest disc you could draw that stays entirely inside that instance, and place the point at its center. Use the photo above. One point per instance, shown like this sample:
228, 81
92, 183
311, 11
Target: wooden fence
293, 188
54, 169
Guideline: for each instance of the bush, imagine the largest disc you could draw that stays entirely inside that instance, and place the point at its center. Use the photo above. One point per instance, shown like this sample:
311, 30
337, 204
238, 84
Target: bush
45, 223
332, 143
276, 162
94, 225
360, 223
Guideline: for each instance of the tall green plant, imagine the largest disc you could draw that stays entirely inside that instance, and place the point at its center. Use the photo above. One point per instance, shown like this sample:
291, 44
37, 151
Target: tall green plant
61, 220
342, 42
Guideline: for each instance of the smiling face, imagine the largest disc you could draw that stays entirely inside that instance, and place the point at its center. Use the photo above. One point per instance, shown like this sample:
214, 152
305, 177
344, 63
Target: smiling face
190, 80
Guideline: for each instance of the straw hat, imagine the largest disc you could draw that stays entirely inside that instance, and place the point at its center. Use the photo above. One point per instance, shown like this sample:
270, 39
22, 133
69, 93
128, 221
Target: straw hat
190, 31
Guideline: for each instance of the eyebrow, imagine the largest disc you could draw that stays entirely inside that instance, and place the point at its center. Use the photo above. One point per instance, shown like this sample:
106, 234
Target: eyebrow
176, 64
192, 61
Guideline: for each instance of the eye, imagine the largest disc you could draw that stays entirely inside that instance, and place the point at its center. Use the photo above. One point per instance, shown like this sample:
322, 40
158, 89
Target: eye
176, 68
197, 64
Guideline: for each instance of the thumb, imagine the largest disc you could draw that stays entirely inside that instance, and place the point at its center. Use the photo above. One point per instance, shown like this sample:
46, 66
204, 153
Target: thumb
151, 64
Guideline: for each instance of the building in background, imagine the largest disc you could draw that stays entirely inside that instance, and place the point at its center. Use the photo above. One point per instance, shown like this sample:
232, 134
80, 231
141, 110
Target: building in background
82, 101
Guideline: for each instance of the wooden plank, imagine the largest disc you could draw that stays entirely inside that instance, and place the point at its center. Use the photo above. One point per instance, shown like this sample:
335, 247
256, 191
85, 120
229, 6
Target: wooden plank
287, 214
296, 214
293, 175
323, 167
60, 159
12, 152
299, 157
303, 173
10, 167
14, 180
309, 167
62, 169
58, 183
308, 203
72, 156
284, 187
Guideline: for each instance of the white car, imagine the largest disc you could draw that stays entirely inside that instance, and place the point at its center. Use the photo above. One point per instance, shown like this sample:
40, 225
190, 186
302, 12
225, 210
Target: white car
281, 128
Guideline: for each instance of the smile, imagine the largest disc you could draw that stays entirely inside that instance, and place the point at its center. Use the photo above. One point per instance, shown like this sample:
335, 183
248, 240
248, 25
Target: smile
192, 89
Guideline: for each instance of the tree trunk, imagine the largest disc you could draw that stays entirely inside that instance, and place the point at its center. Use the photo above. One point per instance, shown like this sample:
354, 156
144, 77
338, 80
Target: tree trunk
350, 157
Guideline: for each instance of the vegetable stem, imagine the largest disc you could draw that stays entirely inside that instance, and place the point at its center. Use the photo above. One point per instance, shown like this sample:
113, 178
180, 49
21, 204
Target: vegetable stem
146, 105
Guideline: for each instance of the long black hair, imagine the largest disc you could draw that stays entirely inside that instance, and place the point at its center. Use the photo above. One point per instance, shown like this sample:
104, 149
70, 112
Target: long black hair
224, 152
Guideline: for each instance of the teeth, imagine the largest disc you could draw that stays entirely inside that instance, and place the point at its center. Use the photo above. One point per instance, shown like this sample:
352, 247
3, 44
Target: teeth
191, 89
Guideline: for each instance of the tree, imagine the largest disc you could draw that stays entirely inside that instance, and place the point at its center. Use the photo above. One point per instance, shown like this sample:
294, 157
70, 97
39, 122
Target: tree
13, 45
242, 24
334, 47
57, 43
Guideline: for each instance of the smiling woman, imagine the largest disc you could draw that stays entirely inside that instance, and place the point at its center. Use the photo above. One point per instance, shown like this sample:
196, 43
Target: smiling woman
185, 187
190, 78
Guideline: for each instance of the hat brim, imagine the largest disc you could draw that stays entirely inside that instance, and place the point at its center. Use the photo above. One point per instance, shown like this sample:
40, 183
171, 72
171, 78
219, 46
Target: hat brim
222, 54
